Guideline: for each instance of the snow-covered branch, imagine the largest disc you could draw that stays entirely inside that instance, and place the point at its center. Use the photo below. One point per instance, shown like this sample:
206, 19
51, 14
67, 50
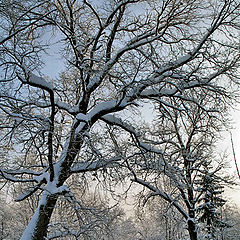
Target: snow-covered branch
113, 58
156, 192
82, 167
9, 176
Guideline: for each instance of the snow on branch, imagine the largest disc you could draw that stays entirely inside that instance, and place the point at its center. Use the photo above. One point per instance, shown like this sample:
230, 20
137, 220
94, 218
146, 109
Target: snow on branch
98, 111
113, 120
28, 192
10, 178
107, 106
39, 82
156, 192
195, 51
35, 81
21, 171
41, 179
65, 106
45, 184
66, 233
94, 165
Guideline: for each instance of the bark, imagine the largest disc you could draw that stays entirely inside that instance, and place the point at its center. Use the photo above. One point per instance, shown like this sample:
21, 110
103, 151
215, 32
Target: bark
192, 230
39, 223
37, 227
44, 218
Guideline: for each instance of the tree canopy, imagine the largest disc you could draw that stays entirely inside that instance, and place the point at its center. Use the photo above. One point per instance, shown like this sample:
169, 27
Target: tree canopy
117, 56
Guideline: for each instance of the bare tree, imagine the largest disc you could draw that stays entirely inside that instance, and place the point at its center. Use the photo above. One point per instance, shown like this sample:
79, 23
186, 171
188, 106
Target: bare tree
189, 161
230, 214
158, 219
11, 220
117, 56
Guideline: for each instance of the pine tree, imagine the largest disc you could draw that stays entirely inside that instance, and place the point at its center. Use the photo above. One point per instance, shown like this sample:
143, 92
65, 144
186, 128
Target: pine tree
211, 188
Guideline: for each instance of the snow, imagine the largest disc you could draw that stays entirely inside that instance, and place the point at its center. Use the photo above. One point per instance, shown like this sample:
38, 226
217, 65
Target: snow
13, 179
82, 117
149, 148
44, 175
65, 106
51, 188
189, 219
79, 128
57, 166
85, 166
39, 81
21, 171
92, 166
29, 230
104, 106
111, 119
118, 121
182, 59
101, 109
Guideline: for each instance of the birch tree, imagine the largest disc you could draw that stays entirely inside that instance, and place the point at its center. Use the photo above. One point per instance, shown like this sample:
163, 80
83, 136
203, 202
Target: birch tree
117, 55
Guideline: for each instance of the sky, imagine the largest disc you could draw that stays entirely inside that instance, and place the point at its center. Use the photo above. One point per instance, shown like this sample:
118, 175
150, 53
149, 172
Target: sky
234, 194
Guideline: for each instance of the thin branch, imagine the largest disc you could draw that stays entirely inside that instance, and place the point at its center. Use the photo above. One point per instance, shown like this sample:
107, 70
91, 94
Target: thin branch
234, 156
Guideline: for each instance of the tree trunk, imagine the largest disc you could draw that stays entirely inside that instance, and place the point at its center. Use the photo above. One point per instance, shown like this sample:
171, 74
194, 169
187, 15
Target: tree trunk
37, 227
192, 230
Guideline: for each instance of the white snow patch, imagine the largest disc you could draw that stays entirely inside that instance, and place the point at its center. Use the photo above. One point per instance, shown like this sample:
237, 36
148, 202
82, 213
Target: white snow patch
66, 106
29, 230
52, 188
39, 81
82, 117
41, 177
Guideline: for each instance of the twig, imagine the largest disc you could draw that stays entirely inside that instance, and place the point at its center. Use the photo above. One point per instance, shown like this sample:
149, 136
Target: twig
234, 156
